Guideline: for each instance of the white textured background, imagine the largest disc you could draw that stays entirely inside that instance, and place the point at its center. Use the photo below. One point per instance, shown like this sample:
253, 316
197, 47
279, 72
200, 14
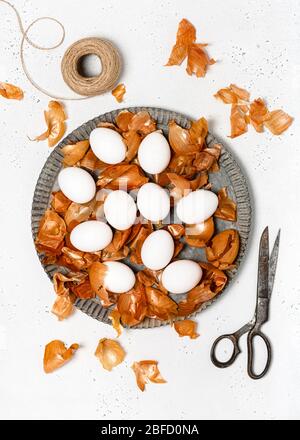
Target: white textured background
256, 43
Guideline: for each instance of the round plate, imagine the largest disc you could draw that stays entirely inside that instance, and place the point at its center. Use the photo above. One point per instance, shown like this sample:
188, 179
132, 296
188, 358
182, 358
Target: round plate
230, 175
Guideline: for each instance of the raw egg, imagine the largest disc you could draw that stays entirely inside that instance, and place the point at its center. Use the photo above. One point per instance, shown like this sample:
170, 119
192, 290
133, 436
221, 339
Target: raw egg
181, 276
197, 206
119, 278
120, 210
91, 236
154, 153
157, 250
108, 145
153, 202
77, 184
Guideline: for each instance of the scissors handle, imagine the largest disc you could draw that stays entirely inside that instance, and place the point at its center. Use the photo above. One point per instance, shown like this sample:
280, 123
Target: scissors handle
236, 351
250, 345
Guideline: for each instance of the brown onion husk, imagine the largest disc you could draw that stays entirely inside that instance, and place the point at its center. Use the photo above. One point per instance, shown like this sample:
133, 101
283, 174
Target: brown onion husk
142, 123
198, 60
197, 235
223, 249
233, 95
123, 120
62, 282
132, 141
110, 353
186, 35
182, 164
118, 92
77, 213
179, 245
258, 114
59, 202
136, 244
148, 277
212, 283
120, 238
177, 231
73, 153
198, 131
55, 120
147, 371
115, 318
122, 176
51, 233
97, 272
91, 162
132, 305
63, 306
77, 260
238, 121
160, 305
56, 355
9, 91
180, 140
278, 122
186, 327
115, 255
226, 208
83, 290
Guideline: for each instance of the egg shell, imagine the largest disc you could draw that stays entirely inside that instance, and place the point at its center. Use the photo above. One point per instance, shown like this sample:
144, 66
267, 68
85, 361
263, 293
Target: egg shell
153, 202
157, 250
77, 184
91, 236
197, 206
108, 145
181, 276
120, 210
154, 153
119, 278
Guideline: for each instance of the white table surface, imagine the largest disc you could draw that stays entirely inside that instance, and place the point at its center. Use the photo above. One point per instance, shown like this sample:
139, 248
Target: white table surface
256, 43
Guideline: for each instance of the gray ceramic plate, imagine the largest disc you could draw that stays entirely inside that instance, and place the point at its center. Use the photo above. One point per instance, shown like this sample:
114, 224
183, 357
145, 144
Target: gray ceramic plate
230, 175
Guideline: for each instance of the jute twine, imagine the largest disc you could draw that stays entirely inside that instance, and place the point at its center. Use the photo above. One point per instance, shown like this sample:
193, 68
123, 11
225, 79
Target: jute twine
87, 87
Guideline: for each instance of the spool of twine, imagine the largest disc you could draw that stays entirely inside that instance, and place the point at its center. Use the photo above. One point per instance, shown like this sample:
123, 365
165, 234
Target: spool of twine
87, 87
95, 85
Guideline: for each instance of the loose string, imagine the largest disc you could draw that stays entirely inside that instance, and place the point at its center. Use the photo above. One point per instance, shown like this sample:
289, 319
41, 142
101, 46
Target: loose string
25, 38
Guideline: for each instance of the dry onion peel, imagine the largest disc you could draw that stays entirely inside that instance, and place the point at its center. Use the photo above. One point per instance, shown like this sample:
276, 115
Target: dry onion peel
9, 91
186, 327
226, 208
110, 353
55, 120
73, 153
119, 92
147, 371
115, 317
56, 355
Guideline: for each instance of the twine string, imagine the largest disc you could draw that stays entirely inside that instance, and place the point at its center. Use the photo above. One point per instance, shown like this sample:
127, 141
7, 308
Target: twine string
87, 87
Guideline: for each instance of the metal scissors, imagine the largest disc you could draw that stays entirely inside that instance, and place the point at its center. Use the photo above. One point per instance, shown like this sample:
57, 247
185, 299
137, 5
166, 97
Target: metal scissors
265, 282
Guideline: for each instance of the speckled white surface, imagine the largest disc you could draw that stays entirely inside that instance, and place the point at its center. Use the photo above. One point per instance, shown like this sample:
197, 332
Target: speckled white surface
256, 43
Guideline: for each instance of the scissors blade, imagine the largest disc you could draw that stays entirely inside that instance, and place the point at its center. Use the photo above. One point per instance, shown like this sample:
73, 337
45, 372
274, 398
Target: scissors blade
263, 266
273, 263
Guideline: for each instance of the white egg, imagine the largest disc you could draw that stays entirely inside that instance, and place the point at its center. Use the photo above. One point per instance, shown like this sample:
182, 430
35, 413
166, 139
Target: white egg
120, 210
197, 206
153, 202
154, 153
181, 276
157, 250
119, 278
77, 184
108, 145
91, 236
